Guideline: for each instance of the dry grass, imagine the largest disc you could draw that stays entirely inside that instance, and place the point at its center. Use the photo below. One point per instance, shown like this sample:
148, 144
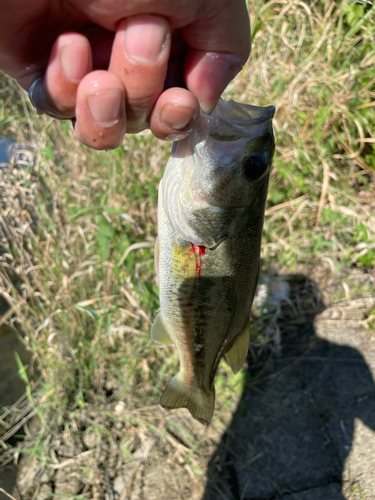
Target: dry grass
78, 227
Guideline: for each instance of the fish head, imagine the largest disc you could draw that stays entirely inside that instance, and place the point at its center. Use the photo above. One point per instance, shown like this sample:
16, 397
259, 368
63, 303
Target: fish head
216, 180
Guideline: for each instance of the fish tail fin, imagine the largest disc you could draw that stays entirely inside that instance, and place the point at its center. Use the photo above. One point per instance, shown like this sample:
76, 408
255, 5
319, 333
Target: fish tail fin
199, 401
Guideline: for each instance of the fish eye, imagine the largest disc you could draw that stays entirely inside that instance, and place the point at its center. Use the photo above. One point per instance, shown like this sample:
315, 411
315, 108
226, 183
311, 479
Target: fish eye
254, 167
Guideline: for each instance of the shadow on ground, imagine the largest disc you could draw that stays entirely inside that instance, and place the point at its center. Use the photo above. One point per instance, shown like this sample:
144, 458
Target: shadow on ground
11, 386
293, 429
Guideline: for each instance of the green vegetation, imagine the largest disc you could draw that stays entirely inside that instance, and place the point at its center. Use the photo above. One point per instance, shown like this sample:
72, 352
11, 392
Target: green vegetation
77, 230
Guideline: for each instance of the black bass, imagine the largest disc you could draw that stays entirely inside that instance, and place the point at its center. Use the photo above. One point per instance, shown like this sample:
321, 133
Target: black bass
210, 215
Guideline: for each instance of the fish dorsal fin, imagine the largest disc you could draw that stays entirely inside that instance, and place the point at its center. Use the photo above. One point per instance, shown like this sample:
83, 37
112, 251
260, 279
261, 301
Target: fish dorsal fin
236, 355
159, 333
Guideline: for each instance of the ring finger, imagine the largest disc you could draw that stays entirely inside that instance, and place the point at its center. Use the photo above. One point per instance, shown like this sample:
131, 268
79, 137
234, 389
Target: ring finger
70, 60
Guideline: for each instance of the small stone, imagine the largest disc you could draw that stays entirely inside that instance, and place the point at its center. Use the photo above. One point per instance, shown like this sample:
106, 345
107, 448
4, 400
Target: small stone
91, 439
44, 492
144, 450
26, 474
46, 476
103, 457
71, 486
119, 484
120, 408
35, 425
68, 449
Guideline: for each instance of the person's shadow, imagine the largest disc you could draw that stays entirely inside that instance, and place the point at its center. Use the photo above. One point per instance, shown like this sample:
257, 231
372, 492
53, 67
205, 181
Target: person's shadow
293, 427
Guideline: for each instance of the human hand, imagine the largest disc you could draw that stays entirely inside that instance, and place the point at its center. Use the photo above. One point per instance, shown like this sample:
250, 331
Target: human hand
121, 66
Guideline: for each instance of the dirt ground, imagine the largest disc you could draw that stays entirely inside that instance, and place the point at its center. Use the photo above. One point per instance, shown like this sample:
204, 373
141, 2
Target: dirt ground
303, 428
306, 429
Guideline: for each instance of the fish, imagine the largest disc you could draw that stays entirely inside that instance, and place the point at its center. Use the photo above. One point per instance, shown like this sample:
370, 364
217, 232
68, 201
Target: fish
211, 207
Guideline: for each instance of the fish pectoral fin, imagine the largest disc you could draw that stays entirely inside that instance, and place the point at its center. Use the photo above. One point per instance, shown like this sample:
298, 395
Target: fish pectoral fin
236, 355
159, 332
199, 401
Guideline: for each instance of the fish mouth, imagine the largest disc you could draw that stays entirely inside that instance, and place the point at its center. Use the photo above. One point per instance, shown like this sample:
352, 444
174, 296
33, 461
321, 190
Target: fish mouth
231, 121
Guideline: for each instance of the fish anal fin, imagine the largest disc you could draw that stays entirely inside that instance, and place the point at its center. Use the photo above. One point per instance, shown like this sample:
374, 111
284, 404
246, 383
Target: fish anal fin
159, 333
236, 355
199, 401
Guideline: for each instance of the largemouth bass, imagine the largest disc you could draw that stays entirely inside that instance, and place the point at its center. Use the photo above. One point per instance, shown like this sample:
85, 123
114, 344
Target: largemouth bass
210, 218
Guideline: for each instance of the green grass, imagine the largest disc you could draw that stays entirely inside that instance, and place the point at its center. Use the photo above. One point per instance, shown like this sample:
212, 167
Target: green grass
85, 311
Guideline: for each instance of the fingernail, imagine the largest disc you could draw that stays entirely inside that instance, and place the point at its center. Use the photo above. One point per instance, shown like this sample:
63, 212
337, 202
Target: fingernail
177, 137
105, 107
176, 117
75, 61
145, 38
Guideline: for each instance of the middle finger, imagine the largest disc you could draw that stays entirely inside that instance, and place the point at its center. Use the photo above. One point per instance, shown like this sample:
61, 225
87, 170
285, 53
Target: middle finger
140, 59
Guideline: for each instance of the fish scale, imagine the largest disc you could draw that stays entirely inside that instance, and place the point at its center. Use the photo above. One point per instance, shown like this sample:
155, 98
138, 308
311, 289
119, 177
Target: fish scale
208, 249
